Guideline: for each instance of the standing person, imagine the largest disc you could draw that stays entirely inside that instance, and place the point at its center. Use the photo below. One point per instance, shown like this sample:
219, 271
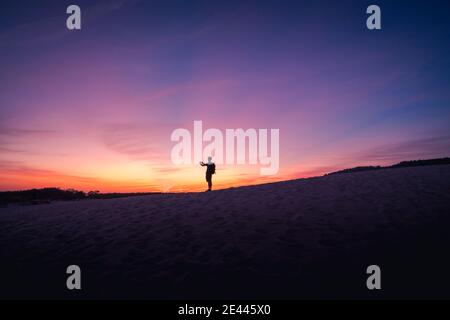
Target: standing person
210, 170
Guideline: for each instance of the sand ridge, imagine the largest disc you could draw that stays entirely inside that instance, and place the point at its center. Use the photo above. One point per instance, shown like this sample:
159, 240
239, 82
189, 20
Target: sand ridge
288, 239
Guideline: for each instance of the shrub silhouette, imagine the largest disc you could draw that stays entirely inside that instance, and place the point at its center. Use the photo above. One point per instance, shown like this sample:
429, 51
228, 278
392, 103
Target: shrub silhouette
46, 195
403, 164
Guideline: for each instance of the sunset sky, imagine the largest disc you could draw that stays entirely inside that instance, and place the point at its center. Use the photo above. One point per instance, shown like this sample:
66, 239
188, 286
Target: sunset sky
94, 109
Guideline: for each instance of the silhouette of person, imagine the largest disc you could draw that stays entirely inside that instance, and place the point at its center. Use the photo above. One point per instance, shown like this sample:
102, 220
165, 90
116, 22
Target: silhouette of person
210, 170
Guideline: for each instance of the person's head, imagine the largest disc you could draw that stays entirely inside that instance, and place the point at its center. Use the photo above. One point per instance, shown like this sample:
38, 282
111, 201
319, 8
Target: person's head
209, 159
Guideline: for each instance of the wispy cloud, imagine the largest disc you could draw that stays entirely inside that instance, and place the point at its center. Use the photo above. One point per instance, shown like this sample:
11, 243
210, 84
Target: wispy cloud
19, 169
15, 132
50, 29
133, 140
17, 141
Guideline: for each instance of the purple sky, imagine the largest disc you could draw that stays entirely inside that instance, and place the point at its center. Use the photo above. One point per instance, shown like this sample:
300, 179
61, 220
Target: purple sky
94, 109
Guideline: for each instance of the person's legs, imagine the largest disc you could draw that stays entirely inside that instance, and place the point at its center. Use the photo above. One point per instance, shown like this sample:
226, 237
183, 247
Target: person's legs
209, 180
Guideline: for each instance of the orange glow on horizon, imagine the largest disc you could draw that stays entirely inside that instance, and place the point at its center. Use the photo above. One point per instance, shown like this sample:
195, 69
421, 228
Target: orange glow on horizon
140, 178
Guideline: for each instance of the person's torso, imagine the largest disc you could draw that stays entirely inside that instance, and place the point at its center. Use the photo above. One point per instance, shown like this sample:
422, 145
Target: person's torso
210, 168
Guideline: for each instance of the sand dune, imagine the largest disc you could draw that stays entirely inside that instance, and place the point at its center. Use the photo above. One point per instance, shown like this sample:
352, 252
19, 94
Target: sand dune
296, 239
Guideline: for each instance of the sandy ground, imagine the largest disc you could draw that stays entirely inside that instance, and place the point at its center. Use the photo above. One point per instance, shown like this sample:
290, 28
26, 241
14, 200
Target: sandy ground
308, 238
